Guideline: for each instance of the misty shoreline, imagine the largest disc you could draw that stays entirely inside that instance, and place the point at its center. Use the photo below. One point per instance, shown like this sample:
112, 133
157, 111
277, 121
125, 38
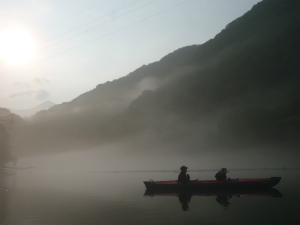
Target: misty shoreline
197, 170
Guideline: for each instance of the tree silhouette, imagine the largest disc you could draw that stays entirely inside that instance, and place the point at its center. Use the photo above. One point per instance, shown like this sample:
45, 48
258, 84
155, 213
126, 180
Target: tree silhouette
4, 146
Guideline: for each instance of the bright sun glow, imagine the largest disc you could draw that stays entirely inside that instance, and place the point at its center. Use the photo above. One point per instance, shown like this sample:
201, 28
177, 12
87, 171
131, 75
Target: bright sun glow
16, 46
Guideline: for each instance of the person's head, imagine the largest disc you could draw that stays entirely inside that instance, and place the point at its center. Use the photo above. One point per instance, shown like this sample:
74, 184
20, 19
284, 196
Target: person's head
224, 170
183, 168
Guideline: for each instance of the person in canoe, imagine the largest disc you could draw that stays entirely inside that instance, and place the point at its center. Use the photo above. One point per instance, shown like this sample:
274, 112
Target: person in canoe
221, 175
183, 177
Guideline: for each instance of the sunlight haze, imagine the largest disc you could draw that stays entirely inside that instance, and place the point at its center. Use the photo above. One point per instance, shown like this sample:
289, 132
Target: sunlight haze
16, 46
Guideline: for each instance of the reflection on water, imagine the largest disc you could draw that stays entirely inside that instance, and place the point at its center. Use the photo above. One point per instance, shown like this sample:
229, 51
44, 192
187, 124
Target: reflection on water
222, 196
3, 202
184, 199
223, 200
7, 184
67, 197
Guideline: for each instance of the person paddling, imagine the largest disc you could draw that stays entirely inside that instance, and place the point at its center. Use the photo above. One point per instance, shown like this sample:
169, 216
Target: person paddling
221, 175
183, 177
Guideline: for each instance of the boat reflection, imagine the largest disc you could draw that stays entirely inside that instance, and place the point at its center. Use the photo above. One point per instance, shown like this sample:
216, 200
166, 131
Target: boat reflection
224, 200
184, 199
222, 196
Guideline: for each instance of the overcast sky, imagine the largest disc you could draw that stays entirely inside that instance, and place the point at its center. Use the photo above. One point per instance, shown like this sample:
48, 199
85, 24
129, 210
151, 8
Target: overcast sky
58, 49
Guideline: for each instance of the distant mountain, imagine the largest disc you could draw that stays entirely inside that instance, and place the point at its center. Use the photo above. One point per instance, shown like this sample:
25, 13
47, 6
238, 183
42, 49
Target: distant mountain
238, 90
29, 112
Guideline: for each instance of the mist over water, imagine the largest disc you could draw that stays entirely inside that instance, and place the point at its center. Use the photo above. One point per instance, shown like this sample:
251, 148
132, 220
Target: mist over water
126, 157
67, 189
104, 184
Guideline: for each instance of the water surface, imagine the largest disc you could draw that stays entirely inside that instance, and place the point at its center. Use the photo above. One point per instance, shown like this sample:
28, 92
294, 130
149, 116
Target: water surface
37, 196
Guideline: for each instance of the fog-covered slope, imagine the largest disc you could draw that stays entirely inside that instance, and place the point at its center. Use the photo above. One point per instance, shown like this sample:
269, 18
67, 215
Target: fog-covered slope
240, 89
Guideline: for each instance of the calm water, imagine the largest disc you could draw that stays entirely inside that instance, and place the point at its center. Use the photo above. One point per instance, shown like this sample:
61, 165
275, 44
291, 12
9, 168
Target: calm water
93, 197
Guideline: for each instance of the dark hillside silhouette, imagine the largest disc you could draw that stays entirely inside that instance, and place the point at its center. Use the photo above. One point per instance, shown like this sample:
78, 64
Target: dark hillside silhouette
7, 124
239, 89
4, 147
250, 72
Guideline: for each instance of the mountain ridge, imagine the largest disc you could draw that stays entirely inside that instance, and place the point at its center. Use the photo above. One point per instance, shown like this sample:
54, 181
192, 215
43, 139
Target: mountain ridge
193, 95
30, 112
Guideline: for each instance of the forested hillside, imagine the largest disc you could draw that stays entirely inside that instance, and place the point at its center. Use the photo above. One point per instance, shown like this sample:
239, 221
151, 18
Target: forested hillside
7, 124
237, 90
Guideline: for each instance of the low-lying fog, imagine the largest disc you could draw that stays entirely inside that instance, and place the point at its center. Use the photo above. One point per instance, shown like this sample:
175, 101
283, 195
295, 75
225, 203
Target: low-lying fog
121, 158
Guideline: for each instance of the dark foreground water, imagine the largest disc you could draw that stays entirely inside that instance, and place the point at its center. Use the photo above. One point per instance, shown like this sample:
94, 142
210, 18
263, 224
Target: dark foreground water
36, 196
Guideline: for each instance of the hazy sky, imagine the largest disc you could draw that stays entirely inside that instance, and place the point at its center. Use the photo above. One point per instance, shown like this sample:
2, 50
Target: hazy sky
58, 49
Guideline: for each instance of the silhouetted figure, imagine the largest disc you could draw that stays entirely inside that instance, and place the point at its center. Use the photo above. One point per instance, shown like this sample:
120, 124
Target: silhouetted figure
223, 200
183, 177
184, 199
221, 175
